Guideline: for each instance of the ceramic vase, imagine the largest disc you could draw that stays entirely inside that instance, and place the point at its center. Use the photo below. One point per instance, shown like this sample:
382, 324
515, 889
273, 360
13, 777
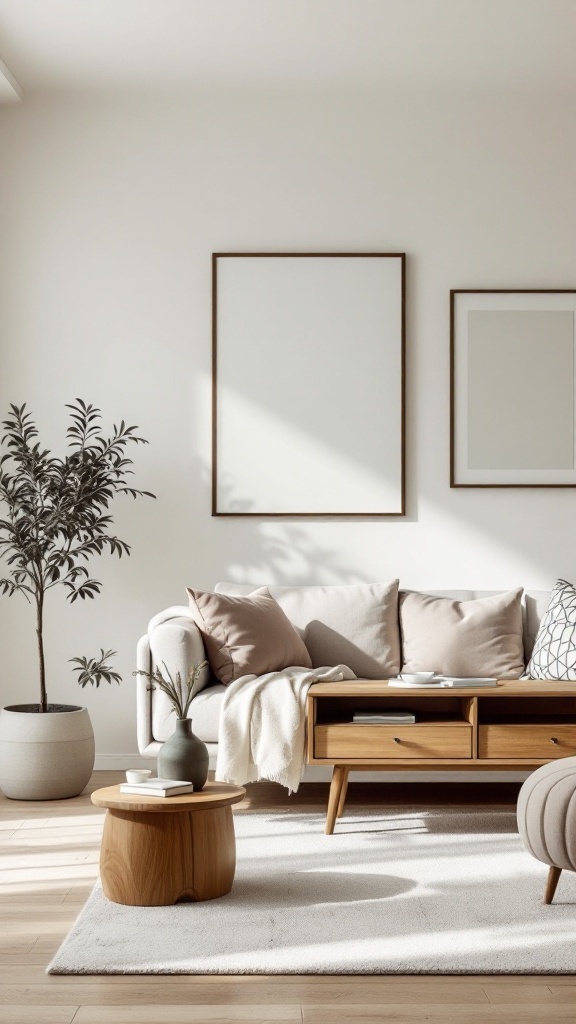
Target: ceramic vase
45, 755
184, 756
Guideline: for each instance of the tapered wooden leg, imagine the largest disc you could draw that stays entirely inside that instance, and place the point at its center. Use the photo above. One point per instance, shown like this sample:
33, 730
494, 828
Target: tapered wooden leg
552, 882
334, 798
343, 791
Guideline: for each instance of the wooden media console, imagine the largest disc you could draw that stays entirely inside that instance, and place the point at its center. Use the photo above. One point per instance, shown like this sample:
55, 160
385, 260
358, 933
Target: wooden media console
515, 726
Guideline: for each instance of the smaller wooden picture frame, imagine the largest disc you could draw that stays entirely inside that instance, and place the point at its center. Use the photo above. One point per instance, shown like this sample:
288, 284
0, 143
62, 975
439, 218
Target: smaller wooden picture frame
512, 388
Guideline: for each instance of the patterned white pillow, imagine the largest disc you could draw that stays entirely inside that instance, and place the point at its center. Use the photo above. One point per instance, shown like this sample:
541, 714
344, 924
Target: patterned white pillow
554, 654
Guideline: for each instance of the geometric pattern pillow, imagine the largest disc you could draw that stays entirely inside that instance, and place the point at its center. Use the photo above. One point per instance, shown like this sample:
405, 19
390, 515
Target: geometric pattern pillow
554, 654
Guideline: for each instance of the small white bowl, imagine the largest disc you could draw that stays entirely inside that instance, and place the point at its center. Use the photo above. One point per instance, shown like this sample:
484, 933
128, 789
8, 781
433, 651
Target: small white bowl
417, 677
136, 775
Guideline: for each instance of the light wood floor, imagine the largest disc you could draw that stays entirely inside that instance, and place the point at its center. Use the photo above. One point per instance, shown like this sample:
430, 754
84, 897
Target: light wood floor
48, 865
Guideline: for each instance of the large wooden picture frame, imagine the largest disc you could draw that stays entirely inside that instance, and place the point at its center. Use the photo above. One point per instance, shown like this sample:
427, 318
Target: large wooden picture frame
512, 388
308, 384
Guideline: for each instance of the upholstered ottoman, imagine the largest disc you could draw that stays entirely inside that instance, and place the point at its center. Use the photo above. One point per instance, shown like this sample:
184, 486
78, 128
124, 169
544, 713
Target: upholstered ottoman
547, 818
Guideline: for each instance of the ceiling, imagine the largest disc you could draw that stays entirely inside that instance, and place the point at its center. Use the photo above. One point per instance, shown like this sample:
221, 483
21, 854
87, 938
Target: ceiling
164, 44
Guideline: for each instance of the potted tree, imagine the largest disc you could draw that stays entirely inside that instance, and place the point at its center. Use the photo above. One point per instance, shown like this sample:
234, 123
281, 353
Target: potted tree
57, 520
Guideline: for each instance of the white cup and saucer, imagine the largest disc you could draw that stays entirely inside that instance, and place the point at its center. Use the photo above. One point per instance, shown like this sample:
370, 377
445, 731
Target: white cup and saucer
417, 677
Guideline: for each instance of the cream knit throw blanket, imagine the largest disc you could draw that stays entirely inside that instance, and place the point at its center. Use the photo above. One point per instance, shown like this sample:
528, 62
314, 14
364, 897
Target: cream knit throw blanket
262, 725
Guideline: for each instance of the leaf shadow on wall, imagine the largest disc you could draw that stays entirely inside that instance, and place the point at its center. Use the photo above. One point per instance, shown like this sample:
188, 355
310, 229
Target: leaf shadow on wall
275, 550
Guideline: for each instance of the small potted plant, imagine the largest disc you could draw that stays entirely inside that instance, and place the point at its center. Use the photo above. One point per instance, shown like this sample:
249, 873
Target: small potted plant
184, 755
56, 521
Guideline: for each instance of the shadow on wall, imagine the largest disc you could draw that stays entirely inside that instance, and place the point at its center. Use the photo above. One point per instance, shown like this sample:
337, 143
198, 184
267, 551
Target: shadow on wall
474, 522
275, 551
287, 551
192, 548
515, 524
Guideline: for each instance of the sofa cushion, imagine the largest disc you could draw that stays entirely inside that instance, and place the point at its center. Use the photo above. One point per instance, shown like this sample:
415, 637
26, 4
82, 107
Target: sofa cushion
355, 625
534, 606
246, 635
554, 654
204, 712
463, 638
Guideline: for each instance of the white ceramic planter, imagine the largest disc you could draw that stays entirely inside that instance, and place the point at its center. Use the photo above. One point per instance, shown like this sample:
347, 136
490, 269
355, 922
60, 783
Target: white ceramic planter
46, 756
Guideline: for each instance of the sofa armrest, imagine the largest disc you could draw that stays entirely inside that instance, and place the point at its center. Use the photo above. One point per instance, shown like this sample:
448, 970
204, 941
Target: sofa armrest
146, 744
172, 640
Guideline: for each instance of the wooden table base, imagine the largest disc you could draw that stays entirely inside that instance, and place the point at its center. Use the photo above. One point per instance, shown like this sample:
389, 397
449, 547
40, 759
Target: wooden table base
151, 860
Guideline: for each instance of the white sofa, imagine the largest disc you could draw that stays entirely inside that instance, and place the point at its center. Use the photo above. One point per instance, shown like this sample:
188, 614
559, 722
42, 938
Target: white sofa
173, 639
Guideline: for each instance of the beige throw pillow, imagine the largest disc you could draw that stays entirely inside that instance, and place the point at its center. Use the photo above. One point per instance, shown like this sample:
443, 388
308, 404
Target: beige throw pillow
462, 638
246, 635
354, 624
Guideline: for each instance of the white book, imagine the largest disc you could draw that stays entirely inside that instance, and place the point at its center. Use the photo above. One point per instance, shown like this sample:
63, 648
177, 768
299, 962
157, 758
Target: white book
402, 685
157, 787
438, 684
455, 682
392, 717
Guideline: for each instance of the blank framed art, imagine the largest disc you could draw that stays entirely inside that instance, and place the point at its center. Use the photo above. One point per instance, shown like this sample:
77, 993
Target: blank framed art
513, 388
308, 355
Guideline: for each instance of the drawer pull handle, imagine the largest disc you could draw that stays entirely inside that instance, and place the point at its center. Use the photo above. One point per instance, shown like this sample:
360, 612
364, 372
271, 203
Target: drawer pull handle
553, 739
396, 740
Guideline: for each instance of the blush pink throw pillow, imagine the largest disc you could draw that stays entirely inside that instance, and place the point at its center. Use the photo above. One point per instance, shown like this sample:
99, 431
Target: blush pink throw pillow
246, 635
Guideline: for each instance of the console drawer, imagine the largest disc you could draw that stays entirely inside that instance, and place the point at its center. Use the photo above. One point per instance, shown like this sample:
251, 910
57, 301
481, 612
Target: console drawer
348, 741
517, 741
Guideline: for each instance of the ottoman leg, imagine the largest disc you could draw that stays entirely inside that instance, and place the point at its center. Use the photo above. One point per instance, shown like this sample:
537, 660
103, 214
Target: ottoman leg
552, 882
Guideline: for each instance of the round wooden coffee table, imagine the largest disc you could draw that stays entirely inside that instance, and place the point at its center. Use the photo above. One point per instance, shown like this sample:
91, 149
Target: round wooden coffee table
158, 850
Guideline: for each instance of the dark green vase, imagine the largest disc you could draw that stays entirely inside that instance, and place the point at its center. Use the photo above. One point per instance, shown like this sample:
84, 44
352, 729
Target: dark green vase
184, 756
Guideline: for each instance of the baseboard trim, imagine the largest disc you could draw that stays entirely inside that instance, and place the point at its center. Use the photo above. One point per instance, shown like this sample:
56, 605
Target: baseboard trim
120, 762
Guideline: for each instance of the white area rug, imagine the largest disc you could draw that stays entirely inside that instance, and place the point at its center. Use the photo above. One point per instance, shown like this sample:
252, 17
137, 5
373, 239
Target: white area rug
392, 892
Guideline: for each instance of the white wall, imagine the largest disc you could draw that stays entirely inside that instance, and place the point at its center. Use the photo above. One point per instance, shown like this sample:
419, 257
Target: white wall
110, 209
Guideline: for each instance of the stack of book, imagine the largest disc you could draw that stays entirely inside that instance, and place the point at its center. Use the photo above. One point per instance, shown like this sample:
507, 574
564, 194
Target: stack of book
383, 716
157, 787
444, 681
